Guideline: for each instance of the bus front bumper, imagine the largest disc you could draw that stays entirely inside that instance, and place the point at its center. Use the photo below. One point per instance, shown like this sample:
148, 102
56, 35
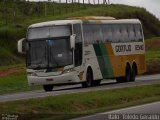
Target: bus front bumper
67, 78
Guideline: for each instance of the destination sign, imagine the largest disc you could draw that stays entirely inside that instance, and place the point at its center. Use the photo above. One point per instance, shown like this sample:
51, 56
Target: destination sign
128, 48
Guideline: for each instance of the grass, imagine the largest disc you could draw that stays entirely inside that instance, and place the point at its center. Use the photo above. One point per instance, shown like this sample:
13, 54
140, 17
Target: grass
153, 48
153, 55
8, 58
15, 81
80, 104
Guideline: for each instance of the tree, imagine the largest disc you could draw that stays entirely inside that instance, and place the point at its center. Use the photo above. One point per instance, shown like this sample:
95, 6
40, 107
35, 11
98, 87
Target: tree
88, 1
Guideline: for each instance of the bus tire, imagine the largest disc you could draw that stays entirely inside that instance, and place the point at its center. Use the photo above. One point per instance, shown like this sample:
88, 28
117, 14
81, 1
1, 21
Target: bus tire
133, 73
89, 79
48, 88
127, 73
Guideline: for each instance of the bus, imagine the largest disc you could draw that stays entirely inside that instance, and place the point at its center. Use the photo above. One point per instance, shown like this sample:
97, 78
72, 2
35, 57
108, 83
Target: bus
83, 50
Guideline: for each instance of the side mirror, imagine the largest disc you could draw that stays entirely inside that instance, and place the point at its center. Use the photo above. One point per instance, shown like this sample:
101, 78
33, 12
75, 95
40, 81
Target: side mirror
72, 41
21, 46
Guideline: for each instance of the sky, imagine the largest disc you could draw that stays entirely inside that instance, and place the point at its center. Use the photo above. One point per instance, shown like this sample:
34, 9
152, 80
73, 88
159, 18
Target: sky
153, 6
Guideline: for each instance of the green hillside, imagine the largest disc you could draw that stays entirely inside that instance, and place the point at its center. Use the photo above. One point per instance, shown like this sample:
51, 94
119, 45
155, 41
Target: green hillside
16, 16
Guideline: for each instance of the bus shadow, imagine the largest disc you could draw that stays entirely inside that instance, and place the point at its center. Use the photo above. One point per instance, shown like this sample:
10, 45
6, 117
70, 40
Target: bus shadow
80, 87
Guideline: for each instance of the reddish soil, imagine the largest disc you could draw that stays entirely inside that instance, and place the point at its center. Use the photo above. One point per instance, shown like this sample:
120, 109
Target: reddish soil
8, 72
153, 66
151, 43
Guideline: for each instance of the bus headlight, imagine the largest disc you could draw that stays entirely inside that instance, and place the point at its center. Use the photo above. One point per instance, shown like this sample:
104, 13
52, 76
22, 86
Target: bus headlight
31, 74
68, 70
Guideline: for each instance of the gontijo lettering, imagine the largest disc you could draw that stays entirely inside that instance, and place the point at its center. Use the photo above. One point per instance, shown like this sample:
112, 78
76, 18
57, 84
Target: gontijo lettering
122, 48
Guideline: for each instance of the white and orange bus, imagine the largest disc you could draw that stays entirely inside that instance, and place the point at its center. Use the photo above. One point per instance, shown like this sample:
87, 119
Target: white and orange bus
84, 50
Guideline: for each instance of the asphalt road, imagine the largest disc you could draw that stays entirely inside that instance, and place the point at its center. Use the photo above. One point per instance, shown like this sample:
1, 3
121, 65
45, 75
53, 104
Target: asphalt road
105, 85
142, 112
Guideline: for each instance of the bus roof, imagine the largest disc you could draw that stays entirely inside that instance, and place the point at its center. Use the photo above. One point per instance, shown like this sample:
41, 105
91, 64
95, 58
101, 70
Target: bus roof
97, 21
93, 18
122, 21
56, 22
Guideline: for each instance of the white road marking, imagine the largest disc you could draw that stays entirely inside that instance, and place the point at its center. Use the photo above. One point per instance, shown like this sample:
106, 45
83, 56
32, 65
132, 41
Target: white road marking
129, 108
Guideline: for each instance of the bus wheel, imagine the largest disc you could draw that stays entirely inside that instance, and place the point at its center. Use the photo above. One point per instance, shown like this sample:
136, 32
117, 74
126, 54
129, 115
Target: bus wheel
48, 88
133, 73
89, 79
128, 73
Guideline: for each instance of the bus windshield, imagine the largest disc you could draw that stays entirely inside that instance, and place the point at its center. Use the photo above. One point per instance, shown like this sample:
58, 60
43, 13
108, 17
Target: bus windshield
52, 53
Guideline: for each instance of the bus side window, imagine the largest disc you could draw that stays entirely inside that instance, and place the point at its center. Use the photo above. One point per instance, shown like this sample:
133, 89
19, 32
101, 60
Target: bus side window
124, 33
97, 33
110, 34
118, 33
131, 33
107, 33
113, 32
138, 31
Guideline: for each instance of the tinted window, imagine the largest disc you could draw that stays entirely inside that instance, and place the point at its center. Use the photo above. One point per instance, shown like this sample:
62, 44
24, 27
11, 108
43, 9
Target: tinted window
37, 54
124, 33
107, 33
138, 33
131, 33
92, 33
97, 33
49, 31
59, 52
116, 33
112, 33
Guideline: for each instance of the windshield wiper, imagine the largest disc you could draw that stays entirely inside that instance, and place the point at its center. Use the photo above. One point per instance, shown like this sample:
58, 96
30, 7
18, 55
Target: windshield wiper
37, 66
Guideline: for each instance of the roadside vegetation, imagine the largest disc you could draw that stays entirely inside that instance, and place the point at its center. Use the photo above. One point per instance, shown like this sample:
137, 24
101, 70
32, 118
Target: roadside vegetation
13, 27
14, 79
14, 19
79, 104
153, 55
16, 16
